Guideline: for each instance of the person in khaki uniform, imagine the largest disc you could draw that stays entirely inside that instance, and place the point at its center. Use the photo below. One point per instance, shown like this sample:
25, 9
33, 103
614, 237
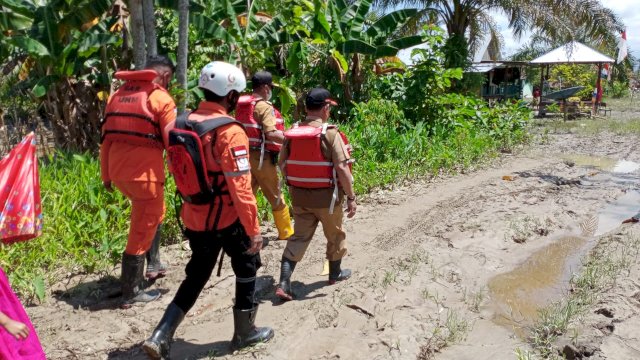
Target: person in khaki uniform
265, 129
311, 201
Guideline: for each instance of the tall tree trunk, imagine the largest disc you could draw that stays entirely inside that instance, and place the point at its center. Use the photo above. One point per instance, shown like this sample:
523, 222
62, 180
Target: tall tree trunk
183, 47
150, 27
137, 33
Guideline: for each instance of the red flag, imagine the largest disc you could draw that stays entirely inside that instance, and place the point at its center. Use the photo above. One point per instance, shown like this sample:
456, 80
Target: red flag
20, 207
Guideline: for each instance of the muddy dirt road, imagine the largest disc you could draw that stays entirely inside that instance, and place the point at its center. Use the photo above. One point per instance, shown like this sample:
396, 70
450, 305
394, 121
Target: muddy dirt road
452, 268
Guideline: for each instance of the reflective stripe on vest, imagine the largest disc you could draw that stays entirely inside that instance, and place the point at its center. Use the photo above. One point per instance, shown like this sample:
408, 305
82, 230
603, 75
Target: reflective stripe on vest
127, 116
310, 163
244, 114
309, 180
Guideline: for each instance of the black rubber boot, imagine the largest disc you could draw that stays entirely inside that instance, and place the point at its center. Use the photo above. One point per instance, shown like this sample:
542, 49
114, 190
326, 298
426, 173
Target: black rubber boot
284, 291
245, 331
158, 346
155, 268
336, 273
133, 282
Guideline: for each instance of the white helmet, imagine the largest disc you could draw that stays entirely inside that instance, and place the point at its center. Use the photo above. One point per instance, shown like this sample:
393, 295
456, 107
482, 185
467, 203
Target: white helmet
221, 77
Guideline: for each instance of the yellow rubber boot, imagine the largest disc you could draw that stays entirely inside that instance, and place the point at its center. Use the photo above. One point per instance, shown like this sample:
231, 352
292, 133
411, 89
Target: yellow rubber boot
325, 268
283, 223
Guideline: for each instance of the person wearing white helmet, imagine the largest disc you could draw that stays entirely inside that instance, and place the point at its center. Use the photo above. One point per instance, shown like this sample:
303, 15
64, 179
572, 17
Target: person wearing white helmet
228, 223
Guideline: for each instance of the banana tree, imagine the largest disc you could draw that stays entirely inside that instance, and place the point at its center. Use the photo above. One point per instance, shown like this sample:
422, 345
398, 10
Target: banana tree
226, 30
353, 33
63, 46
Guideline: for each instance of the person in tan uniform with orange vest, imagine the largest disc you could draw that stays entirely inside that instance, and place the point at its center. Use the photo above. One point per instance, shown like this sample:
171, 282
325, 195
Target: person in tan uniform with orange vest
131, 159
265, 129
228, 223
316, 161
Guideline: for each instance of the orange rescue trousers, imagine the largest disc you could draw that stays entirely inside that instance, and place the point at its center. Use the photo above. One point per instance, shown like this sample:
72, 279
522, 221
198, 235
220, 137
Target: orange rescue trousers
147, 212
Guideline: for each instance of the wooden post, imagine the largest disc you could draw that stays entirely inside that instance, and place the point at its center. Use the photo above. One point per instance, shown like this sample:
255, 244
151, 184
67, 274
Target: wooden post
594, 100
541, 80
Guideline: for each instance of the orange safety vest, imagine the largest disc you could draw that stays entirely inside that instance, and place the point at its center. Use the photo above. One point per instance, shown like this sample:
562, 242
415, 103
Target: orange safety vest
306, 166
244, 114
127, 116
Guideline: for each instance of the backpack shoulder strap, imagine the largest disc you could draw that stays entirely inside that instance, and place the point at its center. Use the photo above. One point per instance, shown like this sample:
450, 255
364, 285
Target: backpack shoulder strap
181, 120
203, 127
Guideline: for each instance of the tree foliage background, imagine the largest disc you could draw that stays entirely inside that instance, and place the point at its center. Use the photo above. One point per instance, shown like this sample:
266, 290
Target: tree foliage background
57, 56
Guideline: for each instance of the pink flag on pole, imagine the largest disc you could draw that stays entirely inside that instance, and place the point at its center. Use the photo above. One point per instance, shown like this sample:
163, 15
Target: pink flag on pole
20, 207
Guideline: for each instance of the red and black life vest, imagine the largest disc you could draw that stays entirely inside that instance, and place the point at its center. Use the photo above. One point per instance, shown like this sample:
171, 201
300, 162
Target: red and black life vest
127, 117
185, 154
306, 166
244, 114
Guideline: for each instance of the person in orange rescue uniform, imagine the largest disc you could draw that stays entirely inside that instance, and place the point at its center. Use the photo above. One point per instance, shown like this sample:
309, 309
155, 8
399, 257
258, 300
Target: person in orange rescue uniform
229, 223
316, 161
265, 128
131, 159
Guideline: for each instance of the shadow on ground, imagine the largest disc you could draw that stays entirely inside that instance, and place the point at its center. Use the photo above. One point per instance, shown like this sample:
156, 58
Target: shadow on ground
96, 295
180, 349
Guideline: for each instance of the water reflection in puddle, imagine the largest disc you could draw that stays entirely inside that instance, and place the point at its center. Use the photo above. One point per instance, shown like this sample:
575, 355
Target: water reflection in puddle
537, 282
544, 277
604, 163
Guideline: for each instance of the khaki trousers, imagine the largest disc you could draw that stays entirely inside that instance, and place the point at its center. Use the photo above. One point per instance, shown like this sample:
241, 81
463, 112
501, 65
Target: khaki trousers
305, 224
266, 179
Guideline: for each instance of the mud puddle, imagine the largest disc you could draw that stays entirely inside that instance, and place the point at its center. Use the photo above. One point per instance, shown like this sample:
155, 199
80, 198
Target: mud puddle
544, 277
604, 163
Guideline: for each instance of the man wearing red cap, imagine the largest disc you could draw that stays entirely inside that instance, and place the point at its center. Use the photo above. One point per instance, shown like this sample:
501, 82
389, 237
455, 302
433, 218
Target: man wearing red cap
316, 161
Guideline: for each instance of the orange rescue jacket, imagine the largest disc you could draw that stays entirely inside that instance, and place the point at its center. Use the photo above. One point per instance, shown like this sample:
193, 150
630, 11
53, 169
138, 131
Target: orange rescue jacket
127, 118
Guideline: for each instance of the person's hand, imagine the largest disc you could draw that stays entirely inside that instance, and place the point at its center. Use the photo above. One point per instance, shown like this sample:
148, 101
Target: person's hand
256, 244
351, 207
19, 330
107, 185
630, 220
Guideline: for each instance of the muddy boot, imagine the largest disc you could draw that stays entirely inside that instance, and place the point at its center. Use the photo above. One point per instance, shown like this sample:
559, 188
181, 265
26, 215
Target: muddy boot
155, 268
245, 331
133, 282
337, 274
158, 346
284, 288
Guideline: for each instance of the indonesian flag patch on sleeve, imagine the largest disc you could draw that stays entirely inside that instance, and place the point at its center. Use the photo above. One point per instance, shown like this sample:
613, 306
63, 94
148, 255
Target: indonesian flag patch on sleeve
241, 155
239, 151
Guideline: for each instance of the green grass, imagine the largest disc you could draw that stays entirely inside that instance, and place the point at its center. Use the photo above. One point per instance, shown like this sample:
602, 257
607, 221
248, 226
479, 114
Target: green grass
588, 127
85, 227
389, 148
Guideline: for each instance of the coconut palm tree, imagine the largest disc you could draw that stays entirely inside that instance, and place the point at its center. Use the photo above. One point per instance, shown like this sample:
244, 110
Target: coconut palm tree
469, 22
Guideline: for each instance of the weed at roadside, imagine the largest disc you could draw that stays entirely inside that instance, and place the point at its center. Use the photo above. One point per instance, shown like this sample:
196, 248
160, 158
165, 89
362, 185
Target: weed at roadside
473, 299
600, 271
454, 329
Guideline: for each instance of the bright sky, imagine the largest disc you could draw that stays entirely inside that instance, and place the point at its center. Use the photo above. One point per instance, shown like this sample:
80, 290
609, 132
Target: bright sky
628, 10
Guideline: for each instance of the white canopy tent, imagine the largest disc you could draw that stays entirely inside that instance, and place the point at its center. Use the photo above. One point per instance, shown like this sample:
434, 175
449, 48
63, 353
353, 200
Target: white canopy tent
573, 53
